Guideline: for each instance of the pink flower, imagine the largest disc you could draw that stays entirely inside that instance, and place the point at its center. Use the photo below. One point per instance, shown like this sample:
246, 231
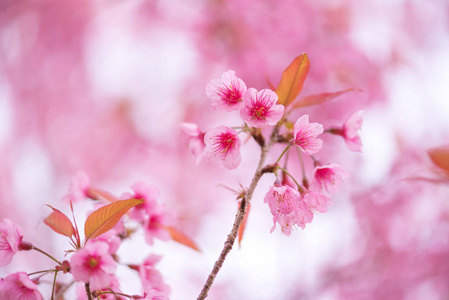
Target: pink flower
223, 145
10, 239
260, 109
287, 208
79, 188
111, 238
316, 201
19, 286
149, 193
196, 143
305, 133
226, 94
155, 225
351, 127
93, 264
329, 177
151, 278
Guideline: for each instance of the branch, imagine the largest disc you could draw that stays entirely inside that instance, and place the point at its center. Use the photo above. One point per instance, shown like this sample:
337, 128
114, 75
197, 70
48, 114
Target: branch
239, 216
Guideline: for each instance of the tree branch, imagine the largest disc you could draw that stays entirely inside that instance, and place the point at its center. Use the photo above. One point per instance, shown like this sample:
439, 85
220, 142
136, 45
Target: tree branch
239, 216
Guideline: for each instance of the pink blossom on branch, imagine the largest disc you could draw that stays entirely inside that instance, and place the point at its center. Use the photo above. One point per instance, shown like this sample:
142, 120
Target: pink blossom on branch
260, 109
79, 188
10, 239
196, 142
350, 131
226, 93
155, 225
151, 278
316, 201
223, 145
288, 208
94, 265
149, 194
18, 286
329, 177
305, 135
351, 127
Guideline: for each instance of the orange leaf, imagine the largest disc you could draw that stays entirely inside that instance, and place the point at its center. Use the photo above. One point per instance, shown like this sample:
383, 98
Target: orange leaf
319, 98
440, 157
101, 195
243, 224
181, 238
59, 222
293, 79
105, 218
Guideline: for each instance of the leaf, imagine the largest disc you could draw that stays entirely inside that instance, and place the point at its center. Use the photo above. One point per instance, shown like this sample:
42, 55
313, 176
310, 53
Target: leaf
293, 79
319, 98
181, 238
59, 222
105, 218
243, 224
440, 157
101, 195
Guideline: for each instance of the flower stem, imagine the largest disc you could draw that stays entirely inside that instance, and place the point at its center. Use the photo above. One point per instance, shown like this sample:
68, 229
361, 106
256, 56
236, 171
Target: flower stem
239, 217
54, 285
282, 154
89, 294
46, 254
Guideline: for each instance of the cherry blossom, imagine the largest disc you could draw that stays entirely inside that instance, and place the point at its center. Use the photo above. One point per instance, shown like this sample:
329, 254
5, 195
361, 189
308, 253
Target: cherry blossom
94, 265
149, 194
151, 278
79, 188
196, 142
305, 133
288, 208
316, 201
223, 145
329, 177
351, 127
159, 218
260, 109
226, 93
18, 286
10, 239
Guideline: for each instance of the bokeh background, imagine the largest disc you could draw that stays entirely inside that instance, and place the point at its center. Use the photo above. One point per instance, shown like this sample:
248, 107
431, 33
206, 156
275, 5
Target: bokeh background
102, 86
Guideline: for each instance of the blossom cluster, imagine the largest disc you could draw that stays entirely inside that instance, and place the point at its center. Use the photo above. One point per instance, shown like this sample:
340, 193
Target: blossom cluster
290, 206
94, 262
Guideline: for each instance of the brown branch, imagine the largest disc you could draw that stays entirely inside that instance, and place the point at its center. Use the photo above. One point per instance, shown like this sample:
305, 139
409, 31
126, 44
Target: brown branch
239, 217
88, 292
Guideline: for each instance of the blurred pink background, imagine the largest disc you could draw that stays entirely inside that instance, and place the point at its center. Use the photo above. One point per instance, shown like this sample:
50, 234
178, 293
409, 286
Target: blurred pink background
102, 86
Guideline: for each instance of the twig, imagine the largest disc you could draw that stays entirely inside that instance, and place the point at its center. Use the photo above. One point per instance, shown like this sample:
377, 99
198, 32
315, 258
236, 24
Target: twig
238, 218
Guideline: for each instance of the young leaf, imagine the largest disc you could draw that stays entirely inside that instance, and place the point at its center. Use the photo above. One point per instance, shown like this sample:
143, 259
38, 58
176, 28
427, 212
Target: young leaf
318, 98
181, 238
243, 224
101, 195
105, 218
293, 79
440, 157
59, 223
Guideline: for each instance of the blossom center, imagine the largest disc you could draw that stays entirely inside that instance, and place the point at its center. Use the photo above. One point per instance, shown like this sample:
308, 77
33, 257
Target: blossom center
224, 143
230, 94
93, 262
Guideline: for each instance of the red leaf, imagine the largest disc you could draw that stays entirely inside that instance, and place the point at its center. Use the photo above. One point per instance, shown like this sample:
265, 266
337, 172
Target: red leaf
440, 157
319, 98
59, 222
293, 79
181, 238
104, 219
243, 224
